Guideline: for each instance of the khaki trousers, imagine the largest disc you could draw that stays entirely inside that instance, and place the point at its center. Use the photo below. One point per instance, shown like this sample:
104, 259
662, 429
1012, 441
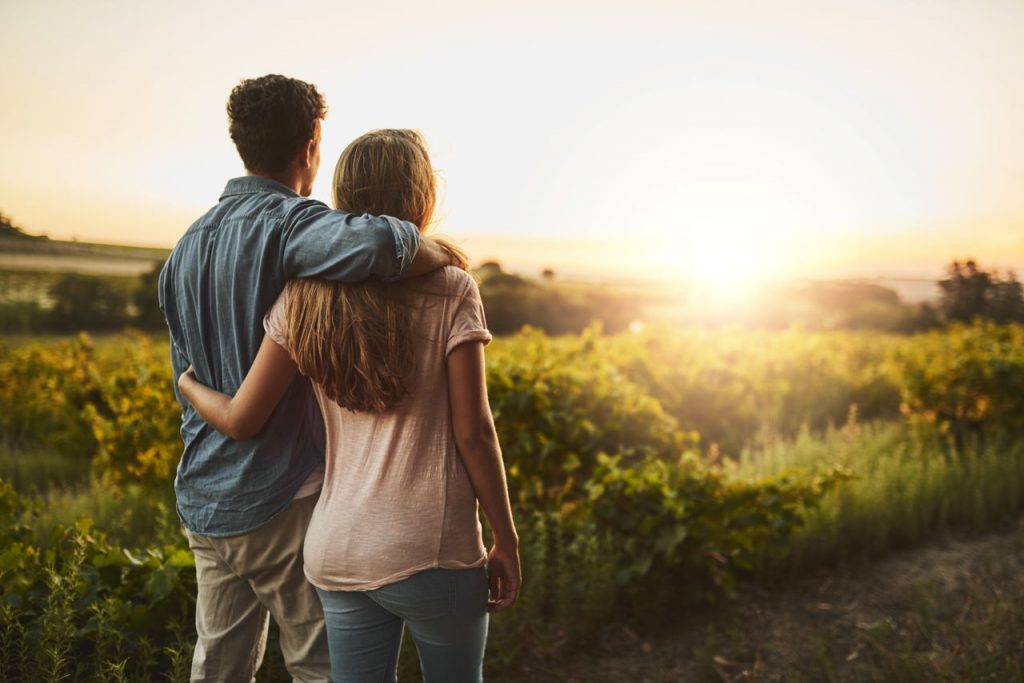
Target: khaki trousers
245, 579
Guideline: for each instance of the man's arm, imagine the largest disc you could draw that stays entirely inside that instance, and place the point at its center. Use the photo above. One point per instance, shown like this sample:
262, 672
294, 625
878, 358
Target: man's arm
321, 242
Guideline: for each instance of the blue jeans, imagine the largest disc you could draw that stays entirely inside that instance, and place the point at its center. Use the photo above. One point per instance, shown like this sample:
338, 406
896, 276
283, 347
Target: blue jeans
445, 610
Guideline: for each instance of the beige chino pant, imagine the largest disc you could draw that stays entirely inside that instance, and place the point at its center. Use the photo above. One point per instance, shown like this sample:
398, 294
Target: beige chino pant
245, 579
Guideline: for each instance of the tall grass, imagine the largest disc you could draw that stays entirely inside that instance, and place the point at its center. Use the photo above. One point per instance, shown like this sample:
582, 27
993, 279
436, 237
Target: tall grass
905, 488
132, 516
40, 469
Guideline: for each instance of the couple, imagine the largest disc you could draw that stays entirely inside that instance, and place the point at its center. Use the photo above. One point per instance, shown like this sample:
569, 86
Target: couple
372, 355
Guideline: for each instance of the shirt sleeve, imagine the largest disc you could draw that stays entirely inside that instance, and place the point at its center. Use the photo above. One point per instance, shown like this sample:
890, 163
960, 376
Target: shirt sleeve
318, 241
468, 323
275, 323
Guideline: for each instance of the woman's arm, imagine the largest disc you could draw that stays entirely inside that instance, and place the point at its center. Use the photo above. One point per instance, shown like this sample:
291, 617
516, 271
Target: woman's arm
243, 415
477, 443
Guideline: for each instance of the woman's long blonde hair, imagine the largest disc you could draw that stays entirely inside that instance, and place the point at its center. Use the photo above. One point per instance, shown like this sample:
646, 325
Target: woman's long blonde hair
355, 340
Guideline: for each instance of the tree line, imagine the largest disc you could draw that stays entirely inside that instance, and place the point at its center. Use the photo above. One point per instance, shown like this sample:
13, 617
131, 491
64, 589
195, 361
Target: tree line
73, 302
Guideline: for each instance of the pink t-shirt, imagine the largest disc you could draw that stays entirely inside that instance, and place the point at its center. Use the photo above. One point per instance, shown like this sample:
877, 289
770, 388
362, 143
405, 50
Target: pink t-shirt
396, 497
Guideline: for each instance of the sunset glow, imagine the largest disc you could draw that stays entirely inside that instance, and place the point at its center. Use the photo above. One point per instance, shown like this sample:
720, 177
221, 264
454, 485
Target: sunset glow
728, 141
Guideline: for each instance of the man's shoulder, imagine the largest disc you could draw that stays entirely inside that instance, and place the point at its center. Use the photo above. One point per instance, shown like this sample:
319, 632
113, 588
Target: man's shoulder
268, 210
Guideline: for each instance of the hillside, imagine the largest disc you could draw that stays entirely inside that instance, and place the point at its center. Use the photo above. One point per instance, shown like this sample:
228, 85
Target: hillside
9, 230
25, 253
14, 241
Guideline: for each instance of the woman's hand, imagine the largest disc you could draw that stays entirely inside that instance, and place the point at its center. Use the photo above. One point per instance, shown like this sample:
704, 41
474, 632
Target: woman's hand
186, 376
243, 415
505, 577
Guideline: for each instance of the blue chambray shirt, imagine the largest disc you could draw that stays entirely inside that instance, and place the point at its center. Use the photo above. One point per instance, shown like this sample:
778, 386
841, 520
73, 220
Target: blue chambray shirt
223, 275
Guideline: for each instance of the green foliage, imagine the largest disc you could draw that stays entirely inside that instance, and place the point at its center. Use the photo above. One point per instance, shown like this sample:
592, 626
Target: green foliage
148, 315
123, 416
842, 305
730, 386
33, 302
569, 589
512, 302
44, 391
136, 420
618, 509
966, 381
903, 488
692, 523
78, 608
86, 302
558, 407
968, 292
22, 317
38, 469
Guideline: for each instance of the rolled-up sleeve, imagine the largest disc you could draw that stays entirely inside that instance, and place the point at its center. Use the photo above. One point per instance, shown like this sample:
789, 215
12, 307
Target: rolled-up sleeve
318, 241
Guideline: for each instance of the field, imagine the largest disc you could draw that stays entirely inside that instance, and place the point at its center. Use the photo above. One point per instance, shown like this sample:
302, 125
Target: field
656, 477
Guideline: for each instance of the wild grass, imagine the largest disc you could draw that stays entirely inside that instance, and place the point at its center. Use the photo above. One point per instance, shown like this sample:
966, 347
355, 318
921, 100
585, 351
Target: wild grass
905, 488
38, 470
132, 516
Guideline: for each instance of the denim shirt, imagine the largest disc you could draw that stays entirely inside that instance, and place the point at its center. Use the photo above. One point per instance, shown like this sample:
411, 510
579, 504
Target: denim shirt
223, 275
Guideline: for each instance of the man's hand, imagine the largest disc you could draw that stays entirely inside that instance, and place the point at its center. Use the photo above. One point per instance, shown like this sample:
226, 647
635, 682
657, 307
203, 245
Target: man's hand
457, 256
434, 254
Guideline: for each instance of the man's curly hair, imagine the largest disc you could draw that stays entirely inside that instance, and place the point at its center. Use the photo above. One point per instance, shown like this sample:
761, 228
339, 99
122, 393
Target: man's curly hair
271, 118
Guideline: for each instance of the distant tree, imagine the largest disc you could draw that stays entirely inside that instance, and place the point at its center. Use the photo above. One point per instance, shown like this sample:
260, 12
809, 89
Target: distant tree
148, 315
511, 301
84, 302
1006, 300
548, 274
23, 317
846, 305
489, 269
969, 292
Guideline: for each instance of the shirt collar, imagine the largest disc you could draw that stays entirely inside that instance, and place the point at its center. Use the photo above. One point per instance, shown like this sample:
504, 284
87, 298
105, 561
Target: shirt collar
252, 184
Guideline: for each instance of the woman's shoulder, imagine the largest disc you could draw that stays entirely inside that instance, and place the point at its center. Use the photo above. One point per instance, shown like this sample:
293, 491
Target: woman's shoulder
451, 281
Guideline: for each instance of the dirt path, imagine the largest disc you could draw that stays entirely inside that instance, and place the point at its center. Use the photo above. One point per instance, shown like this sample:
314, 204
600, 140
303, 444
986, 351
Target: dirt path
949, 611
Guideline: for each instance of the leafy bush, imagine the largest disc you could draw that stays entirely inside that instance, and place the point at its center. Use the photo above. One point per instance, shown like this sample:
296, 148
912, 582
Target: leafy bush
87, 302
512, 302
136, 420
119, 411
967, 381
77, 608
43, 393
558, 408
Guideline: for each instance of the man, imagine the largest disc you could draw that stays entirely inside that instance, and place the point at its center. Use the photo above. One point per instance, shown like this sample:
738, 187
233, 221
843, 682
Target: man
245, 504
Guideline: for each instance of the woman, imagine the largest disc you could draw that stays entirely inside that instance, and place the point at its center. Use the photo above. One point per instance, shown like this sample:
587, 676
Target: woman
398, 370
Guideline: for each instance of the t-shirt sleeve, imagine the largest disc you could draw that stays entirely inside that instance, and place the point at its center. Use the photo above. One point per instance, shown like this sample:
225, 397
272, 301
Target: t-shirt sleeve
275, 323
468, 321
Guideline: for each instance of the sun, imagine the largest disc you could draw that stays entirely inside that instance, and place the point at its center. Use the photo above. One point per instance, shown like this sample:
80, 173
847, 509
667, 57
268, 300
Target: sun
724, 260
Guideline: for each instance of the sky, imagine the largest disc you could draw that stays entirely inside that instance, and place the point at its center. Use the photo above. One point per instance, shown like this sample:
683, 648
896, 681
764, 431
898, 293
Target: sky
704, 138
